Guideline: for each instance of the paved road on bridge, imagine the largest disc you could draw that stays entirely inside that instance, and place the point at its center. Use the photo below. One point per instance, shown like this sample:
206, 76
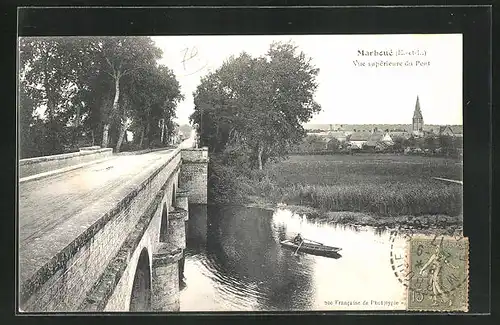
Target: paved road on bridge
189, 142
54, 210
47, 202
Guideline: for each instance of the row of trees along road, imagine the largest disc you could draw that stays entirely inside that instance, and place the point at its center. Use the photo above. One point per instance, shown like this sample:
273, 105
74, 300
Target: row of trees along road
250, 110
90, 91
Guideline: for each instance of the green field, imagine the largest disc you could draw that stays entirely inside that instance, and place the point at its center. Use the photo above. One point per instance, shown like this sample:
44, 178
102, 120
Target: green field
381, 185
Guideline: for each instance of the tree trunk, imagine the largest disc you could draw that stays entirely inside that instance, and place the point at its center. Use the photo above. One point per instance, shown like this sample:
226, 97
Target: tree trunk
75, 131
51, 120
123, 129
53, 136
77, 118
259, 157
105, 139
117, 92
148, 133
162, 133
105, 135
142, 137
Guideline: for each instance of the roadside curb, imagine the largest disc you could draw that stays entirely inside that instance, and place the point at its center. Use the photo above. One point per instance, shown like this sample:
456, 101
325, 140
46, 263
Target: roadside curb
141, 152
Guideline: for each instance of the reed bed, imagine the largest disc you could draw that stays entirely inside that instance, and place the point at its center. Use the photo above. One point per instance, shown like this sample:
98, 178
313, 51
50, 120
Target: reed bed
386, 186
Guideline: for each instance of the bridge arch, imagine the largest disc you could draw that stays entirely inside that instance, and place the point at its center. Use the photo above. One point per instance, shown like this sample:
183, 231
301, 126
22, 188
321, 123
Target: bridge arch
164, 223
140, 298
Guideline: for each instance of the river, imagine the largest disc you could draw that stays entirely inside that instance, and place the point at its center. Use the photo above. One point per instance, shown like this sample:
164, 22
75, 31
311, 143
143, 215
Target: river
234, 262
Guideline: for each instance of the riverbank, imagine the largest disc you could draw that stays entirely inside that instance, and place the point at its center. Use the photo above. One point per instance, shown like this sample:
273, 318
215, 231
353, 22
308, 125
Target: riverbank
372, 190
363, 219
421, 222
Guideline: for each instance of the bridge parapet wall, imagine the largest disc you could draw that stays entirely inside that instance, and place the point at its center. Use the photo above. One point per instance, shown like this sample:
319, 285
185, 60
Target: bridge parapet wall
194, 174
38, 165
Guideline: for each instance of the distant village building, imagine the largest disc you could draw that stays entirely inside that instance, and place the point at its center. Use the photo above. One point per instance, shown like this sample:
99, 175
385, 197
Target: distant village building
387, 139
358, 139
457, 130
446, 130
372, 136
341, 136
399, 135
374, 140
319, 134
418, 120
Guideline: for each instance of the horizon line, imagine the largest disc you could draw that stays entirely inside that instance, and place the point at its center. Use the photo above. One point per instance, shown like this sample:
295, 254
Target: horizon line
377, 123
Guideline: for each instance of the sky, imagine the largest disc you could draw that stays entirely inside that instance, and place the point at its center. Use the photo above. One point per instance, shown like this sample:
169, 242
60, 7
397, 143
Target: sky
347, 93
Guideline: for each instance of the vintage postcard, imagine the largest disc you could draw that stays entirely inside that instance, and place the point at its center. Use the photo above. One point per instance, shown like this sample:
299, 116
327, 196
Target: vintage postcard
242, 173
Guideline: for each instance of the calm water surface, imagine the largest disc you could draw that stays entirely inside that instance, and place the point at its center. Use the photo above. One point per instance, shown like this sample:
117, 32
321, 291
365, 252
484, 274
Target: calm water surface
234, 262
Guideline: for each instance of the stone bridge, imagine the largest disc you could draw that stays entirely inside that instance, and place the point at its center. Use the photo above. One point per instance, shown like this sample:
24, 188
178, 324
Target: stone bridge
104, 232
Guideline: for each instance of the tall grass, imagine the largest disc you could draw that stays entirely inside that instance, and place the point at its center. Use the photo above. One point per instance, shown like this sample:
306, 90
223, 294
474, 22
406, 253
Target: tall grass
384, 187
396, 200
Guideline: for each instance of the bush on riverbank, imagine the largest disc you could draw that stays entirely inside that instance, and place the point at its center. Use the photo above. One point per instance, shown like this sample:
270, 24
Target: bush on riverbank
225, 185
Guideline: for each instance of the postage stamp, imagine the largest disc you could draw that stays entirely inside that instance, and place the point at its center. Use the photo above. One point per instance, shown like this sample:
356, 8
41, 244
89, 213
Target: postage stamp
438, 273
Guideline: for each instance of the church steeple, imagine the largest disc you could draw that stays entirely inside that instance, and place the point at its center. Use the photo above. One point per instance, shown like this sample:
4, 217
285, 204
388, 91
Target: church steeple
418, 120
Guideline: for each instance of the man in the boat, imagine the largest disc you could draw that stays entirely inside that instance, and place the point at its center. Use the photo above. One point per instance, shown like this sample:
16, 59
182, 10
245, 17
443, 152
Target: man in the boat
298, 239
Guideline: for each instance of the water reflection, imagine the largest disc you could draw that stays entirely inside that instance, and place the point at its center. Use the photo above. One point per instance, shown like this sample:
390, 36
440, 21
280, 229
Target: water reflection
196, 235
235, 263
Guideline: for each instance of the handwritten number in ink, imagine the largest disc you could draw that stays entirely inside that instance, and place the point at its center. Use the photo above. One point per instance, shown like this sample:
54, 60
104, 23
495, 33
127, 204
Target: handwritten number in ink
189, 53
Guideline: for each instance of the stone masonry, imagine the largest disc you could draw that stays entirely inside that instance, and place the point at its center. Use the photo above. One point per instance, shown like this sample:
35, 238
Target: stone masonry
194, 174
97, 270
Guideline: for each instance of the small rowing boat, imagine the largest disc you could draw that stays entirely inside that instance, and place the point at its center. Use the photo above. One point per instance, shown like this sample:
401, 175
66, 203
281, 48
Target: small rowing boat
313, 249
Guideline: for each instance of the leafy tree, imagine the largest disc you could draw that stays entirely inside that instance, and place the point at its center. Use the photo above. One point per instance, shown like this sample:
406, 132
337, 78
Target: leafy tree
445, 142
399, 144
185, 130
75, 86
458, 142
430, 142
124, 55
312, 143
216, 115
334, 144
154, 94
410, 142
257, 105
48, 74
26, 122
